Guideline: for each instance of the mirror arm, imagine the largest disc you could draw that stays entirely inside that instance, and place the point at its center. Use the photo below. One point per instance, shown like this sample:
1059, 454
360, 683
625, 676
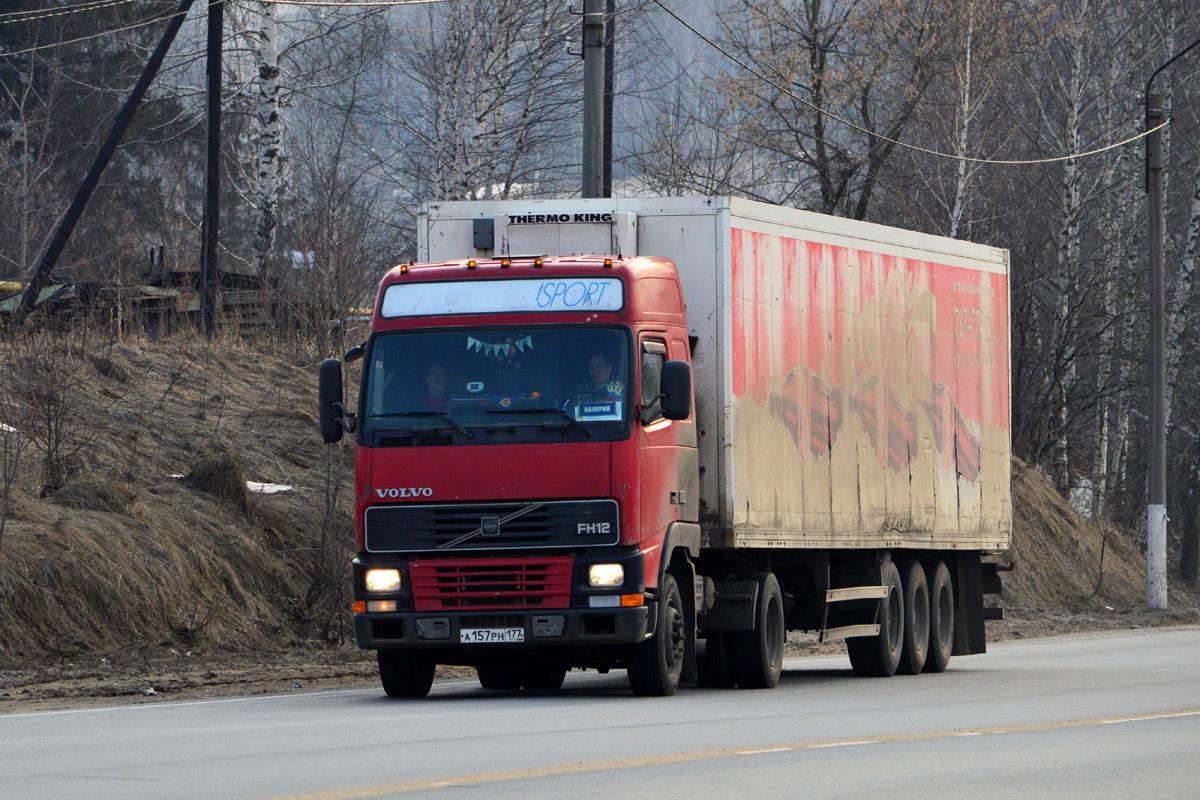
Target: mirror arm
345, 414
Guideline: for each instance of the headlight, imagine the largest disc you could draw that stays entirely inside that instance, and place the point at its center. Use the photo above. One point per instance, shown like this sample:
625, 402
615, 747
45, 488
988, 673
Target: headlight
383, 580
606, 574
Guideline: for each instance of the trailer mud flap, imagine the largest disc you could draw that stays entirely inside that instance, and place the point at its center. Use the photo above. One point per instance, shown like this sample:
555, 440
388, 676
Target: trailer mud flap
970, 637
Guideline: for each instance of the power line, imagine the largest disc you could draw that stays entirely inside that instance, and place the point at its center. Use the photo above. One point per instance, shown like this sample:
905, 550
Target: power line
103, 3
62, 42
1001, 162
42, 13
365, 3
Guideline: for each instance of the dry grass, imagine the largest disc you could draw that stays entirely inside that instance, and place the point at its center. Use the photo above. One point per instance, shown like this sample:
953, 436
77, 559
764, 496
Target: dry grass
125, 555
220, 474
1063, 562
93, 493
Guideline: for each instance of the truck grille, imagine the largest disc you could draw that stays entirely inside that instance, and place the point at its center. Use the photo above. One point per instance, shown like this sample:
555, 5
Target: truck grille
491, 526
493, 583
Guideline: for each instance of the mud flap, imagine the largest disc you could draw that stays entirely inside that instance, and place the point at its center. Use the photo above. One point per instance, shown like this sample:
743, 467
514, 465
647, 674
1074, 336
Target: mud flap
970, 636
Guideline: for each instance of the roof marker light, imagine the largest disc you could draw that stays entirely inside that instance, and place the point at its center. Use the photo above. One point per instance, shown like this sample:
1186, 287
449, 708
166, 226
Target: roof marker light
404, 269
504, 263
537, 262
471, 264
608, 262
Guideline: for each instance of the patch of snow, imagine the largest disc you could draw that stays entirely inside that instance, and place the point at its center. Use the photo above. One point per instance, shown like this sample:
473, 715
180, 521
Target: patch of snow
267, 488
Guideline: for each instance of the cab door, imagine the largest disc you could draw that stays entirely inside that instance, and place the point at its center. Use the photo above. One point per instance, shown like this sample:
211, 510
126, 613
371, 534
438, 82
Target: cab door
658, 441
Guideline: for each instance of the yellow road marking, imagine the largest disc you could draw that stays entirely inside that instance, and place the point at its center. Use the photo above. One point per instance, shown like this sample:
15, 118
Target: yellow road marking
663, 759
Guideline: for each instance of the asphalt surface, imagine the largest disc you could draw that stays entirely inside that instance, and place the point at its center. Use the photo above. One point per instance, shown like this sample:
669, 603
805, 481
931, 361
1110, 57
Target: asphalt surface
1106, 715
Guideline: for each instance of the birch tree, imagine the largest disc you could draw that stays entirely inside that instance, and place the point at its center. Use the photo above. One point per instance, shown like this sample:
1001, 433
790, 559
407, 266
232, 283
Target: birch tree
479, 99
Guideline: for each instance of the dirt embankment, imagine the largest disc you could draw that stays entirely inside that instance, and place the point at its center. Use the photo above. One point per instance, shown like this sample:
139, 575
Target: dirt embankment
172, 506
159, 554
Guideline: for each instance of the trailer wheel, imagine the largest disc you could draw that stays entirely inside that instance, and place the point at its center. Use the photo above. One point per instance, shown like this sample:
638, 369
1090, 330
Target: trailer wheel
544, 678
712, 669
405, 674
941, 617
499, 677
757, 655
655, 665
878, 656
916, 620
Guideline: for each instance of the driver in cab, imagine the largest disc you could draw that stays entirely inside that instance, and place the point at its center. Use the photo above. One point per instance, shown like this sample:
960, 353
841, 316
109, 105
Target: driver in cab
601, 383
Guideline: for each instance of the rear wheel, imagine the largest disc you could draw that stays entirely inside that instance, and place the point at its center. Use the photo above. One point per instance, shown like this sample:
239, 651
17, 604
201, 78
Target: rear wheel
916, 620
655, 665
404, 673
878, 656
499, 677
941, 617
757, 655
712, 669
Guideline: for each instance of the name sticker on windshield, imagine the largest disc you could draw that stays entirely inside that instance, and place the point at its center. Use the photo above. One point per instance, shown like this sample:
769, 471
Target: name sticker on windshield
501, 296
599, 411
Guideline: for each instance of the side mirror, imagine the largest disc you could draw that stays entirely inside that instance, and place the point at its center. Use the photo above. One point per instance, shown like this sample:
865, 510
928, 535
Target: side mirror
675, 388
354, 354
329, 400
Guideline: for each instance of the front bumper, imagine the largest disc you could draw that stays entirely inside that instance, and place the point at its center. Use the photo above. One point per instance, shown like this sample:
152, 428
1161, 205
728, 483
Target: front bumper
542, 629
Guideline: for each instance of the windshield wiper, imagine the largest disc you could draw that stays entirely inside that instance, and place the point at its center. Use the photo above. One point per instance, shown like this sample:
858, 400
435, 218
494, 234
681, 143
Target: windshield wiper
558, 411
437, 414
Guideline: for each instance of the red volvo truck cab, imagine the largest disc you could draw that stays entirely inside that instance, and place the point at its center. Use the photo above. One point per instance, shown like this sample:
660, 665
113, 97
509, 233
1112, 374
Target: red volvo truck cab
526, 454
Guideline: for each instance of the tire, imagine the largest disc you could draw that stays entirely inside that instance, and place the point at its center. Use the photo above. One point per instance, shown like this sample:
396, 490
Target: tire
916, 620
757, 655
499, 677
941, 617
878, 656
713, 670
655, 665
404, 673
543, 678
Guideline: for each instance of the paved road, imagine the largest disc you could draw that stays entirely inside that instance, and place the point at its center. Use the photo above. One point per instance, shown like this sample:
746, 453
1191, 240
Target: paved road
1112, 715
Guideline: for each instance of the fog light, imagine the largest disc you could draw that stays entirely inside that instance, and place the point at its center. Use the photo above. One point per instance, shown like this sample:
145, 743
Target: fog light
606, 574
381, 605
383, 580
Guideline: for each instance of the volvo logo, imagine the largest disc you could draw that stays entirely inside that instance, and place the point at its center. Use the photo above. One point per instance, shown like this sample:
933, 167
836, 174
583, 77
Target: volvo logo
490, 526
409, 491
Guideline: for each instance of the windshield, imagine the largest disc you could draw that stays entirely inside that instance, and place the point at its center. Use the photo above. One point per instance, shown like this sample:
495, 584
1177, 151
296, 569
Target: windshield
482, 381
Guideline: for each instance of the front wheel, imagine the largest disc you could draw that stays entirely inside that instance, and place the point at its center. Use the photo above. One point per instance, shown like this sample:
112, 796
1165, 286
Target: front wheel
655, 665
404, 673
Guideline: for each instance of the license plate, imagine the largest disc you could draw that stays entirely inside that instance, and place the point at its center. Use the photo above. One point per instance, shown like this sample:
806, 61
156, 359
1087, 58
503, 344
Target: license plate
491, 635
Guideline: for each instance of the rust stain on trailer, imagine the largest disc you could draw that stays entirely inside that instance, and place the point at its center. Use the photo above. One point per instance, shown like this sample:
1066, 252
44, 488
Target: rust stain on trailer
878, 385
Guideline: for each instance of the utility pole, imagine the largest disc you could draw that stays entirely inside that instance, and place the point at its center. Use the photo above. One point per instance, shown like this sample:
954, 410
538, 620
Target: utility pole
593, 97
610, 35
210, 226
41, 274
1156, 456
1156, 508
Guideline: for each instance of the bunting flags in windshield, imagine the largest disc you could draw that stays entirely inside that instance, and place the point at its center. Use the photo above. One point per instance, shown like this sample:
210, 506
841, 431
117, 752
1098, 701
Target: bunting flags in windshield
500, 350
